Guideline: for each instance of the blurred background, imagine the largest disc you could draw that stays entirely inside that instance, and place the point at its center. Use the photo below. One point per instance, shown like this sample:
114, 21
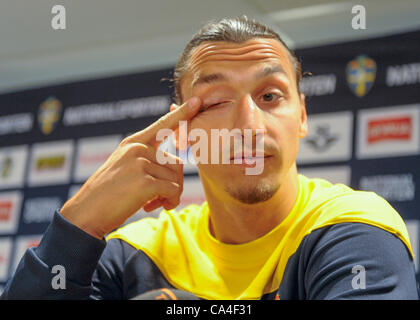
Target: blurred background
68, 96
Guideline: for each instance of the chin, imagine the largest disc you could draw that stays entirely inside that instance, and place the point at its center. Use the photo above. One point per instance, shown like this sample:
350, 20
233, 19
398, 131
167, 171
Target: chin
254, 191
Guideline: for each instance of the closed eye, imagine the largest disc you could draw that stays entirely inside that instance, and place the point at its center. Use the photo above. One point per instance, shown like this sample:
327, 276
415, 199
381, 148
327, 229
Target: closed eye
216, 104
213, 105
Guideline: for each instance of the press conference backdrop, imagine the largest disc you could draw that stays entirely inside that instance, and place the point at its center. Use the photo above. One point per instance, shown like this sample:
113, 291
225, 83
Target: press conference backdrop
363, 102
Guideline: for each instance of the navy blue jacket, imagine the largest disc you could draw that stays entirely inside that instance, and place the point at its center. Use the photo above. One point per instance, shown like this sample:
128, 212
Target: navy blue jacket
321, 268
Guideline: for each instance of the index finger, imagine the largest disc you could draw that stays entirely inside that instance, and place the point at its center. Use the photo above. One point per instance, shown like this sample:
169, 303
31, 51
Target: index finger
169, 121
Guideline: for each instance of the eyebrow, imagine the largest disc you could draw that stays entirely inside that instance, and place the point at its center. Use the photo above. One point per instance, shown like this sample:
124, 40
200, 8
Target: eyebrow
219, 77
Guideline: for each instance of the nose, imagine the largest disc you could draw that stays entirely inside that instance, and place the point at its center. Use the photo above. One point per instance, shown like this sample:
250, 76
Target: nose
249, 117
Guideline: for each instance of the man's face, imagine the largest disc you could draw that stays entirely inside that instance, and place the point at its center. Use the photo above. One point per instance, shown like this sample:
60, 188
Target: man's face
247, 86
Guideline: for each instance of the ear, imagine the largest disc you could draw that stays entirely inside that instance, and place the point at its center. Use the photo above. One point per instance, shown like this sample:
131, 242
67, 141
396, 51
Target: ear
176, 132
303, 127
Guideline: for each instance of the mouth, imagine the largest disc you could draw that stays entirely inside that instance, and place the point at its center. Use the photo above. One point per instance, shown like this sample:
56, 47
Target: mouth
249, 160
248, 155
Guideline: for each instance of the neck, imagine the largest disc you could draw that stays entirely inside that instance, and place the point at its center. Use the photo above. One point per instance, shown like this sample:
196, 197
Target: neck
234, 222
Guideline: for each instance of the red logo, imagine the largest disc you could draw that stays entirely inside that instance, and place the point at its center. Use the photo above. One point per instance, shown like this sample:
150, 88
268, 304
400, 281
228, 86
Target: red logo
399, 128
95, 158
32, 244
5, 210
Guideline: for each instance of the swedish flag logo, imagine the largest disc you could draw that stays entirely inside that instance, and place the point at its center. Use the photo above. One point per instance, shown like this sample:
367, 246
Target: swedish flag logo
361, 73
49, 114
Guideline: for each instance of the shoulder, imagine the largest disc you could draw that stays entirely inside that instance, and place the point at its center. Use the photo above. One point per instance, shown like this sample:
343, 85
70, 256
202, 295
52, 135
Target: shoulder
353, 239
339, 256
323, 193
329, 204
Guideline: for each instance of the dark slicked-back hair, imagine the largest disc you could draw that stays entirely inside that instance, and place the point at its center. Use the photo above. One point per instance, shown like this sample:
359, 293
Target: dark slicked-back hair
237, 30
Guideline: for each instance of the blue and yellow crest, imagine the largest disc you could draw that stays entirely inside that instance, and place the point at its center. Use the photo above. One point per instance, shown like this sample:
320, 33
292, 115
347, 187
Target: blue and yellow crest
49, 114
361, 73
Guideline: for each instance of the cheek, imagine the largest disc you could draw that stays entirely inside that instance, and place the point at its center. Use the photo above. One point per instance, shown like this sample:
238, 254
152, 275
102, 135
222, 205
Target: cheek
286, 134
199, 135
200, 121
217, 118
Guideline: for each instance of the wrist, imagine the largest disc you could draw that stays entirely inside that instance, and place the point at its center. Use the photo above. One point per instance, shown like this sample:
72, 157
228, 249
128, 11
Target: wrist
70, 213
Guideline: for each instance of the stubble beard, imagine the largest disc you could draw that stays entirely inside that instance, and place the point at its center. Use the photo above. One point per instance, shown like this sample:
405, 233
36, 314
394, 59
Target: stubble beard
254, 191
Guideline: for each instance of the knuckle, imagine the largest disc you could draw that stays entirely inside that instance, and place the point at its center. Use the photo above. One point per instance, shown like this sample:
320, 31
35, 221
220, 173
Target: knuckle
150, 178
142, 162
177, 189
162, 157
174, 161
136, 149
150, 181
125, 141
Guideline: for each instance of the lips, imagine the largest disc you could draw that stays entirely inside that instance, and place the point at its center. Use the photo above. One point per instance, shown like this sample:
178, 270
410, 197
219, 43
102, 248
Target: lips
241, 155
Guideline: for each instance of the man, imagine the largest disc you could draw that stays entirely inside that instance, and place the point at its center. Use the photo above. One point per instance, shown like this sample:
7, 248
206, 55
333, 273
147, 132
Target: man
273, 235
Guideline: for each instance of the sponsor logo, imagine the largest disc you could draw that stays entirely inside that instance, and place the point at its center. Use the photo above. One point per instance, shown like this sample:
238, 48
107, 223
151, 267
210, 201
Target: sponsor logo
318, 85
50, 163
10, 203
322, 140
12, 166
94, 158
92, 153
393, 187
22, 244
405, 74
388, 132
40, 210
6, 166
5, 210
399, 128
5, 253
333, 174
361, 73
49, 114
329, 138
16, 123
115, 111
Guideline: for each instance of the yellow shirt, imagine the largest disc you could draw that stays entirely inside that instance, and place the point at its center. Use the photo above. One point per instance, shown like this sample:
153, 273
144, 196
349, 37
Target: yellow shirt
191, 259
